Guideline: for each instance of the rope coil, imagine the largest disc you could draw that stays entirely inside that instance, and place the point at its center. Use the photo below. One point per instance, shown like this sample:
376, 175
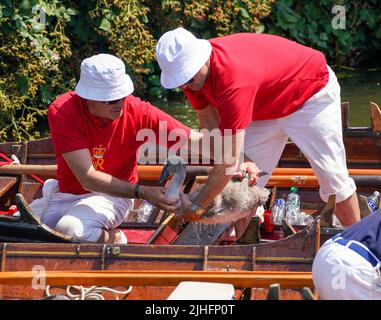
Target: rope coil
89, 293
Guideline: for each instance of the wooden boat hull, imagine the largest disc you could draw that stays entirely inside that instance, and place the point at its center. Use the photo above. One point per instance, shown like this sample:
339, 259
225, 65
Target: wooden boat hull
294, 253
41, 152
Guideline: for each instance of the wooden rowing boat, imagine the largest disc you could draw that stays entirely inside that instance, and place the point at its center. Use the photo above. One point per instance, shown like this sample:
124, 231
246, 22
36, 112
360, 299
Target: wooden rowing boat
293, 254
39, 159
26, 243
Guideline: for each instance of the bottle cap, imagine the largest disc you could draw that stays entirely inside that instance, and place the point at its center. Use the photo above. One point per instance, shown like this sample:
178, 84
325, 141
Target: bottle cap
294, 189
280, 202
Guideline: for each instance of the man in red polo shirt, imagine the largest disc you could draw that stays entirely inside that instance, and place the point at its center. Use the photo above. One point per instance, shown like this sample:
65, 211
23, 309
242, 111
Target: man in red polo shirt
94, 131
260, 90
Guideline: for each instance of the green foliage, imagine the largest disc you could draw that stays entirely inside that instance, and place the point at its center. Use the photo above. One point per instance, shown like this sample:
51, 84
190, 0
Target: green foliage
29, 63
42, 43
313, 23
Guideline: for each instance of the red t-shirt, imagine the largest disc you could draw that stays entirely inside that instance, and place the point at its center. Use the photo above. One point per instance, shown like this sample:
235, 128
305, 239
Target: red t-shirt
113, 146
258, 77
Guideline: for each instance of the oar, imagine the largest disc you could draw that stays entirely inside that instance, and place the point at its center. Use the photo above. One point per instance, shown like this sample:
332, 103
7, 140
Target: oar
145, 172
304, 181
282, 180
310, 172
29, 169
243, 279
152, 172
285, 177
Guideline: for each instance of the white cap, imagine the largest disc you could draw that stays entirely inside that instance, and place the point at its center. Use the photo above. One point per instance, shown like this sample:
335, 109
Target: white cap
103, 78
180, 56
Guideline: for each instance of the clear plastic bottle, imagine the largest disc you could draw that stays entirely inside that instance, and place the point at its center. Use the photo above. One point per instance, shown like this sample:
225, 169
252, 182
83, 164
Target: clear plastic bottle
278, 211
373, 200
293, 206
144, 212
305, 219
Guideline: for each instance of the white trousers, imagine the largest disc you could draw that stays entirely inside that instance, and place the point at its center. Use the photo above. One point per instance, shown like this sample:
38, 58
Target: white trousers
81, 216
316, 130
339, 273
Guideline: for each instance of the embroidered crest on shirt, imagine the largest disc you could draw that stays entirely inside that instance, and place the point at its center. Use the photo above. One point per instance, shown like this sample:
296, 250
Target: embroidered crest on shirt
97, 157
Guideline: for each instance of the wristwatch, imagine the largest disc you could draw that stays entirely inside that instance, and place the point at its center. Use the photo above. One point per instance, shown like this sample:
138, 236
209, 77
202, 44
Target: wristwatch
197, 209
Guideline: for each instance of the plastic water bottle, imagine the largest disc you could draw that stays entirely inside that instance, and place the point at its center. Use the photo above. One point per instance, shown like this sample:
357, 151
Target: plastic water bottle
293, 206
305, 219
278, 211
144, 212
373, 200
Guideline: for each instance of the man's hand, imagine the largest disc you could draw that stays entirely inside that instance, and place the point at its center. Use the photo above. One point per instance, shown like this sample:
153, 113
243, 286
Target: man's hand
185, 211
249, 168
156, 196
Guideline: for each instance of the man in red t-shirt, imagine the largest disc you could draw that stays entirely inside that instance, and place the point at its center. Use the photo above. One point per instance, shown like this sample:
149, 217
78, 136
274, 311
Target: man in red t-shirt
260, 90
94, 131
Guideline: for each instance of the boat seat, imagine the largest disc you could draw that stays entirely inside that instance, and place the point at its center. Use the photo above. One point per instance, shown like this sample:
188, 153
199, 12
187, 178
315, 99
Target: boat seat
194, 290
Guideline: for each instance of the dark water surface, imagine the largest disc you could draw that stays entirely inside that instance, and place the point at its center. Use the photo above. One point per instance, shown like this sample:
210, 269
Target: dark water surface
360, 88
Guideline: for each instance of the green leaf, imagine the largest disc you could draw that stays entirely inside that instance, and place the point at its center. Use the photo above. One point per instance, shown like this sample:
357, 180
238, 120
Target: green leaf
46, 96
244, 13
20, 24
323, 36
155, 92
364, 15
105, 25
260, 28
145, 19
154, 80
7, 12
71, 12
22, 84
378, 33
25, 4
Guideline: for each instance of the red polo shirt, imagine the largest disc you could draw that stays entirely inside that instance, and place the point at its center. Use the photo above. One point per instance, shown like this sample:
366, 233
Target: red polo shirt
113, 146
258, 77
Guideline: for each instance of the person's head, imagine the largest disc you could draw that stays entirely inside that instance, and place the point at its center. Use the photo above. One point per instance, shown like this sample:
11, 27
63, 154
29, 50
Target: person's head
183, 59
104, 85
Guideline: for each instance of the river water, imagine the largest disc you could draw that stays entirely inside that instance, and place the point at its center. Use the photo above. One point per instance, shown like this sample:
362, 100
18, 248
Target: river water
359, 87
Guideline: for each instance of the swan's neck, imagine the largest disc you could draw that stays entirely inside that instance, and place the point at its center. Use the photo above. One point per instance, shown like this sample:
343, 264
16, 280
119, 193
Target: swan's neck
176, 183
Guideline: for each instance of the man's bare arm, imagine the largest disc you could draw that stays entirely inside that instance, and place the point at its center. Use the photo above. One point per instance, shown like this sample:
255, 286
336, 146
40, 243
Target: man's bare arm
222, 172
209, 118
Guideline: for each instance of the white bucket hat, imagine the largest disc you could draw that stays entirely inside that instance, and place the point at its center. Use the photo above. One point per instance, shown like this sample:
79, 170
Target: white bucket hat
103, 78
180, 56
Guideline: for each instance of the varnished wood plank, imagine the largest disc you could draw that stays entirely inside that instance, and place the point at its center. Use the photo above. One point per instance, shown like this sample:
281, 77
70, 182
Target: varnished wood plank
243, 279
375, 116
7, 183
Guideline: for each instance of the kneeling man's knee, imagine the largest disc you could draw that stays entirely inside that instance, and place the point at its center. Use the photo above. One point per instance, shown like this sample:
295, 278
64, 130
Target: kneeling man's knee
74, 227
71, 226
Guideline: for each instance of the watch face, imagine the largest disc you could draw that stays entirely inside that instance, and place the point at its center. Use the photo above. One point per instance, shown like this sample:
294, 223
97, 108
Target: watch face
199, 212
197, 209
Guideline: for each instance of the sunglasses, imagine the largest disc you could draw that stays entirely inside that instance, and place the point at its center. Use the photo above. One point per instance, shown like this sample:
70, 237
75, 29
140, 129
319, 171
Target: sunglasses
112, 102
190, 82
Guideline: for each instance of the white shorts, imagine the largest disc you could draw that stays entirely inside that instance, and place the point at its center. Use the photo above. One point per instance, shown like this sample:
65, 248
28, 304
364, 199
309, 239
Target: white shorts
339, 273
81, 216
316, 130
